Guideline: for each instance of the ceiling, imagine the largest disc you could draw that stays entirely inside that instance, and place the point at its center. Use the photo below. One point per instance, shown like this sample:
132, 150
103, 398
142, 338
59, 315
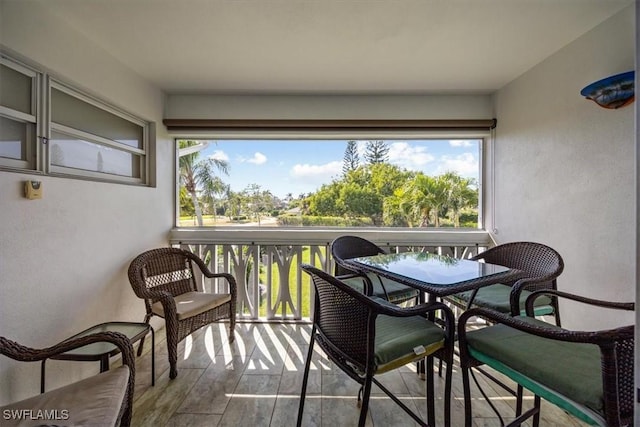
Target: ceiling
332, 46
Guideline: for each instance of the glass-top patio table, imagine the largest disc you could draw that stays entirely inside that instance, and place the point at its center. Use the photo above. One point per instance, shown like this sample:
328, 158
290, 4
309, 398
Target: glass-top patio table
102, 351
436, 275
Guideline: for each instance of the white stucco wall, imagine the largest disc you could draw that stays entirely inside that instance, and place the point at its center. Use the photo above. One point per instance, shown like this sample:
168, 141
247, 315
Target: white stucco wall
565, 170
64, 259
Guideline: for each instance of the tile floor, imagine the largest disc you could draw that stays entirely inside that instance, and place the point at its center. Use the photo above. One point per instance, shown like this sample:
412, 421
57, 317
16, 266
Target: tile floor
256, 382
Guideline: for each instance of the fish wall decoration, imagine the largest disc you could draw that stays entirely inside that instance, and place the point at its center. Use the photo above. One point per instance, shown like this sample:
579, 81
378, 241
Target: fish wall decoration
612, 92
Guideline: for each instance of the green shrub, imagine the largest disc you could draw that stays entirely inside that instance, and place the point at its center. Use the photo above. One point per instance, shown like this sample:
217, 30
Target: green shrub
324, 221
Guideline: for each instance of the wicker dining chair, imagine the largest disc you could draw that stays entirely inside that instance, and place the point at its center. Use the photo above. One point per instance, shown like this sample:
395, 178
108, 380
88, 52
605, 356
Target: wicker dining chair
366, 336
105, 399
588, 374
347, 247
541, 265
165, 279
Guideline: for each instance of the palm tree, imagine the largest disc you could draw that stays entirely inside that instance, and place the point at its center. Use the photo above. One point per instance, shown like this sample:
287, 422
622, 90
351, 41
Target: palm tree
461, 195
196, 172
212, 190
422, 197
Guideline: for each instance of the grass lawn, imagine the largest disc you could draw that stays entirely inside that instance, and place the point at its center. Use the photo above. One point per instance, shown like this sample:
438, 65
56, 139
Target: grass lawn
275, 282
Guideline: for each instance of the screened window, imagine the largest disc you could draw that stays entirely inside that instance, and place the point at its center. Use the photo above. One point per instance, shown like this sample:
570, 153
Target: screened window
400, 183
89, 139
18, 115
81, 136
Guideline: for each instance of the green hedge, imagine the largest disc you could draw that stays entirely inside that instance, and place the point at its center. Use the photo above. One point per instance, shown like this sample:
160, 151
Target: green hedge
328, 221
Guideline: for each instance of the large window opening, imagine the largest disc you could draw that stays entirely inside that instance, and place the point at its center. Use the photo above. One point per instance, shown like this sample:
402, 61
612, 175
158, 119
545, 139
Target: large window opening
374, 183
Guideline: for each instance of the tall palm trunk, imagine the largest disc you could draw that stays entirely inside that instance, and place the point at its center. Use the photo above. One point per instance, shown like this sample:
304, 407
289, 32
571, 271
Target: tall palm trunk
196, 206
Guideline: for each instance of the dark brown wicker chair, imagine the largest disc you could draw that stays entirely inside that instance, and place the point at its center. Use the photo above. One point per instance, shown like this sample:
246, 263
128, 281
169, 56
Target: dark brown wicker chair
588, 374
541, 264
347, 247
365, 336
164, 278
103, 399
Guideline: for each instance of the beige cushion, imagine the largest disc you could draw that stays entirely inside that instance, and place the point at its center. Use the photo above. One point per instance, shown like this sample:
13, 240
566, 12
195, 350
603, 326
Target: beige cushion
191, 304
95, 401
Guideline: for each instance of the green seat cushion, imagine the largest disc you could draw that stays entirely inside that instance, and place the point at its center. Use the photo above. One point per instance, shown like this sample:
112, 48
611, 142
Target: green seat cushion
397, 292
400, 340
496, 297
570, 370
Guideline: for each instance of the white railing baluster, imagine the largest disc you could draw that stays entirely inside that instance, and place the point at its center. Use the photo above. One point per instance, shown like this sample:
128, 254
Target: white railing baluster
251, 256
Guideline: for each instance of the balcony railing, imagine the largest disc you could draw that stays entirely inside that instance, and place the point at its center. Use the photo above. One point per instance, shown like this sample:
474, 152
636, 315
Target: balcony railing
266, 262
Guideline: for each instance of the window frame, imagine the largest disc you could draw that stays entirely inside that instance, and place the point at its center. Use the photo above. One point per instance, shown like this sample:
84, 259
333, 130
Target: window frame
140, 153
31, 143
38, 149
485, 167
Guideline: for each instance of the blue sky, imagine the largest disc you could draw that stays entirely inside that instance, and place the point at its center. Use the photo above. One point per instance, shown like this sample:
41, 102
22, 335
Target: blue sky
291, 166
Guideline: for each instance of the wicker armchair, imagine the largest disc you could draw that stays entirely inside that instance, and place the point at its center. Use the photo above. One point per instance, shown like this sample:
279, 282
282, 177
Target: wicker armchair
541, 265
588, 374
164, 278
347, 247
366, 336
105, 399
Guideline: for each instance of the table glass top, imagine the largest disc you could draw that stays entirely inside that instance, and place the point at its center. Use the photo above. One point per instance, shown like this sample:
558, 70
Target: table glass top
131, 330
431, 269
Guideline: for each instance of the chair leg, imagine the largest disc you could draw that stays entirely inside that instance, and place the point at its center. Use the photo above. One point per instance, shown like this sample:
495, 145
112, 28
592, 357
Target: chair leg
467, 395
173, 362
365, 400
232, 328
536, 416
172, 346
146, 320
430, 392
447, 390
519, 397
305, 377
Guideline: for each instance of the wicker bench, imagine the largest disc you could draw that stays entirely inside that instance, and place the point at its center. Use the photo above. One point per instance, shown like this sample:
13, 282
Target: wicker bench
105, 399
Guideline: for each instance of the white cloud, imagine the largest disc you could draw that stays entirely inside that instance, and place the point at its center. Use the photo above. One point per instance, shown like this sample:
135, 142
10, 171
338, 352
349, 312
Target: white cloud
316, 174
462, 143
401, 154
406, 156
258, 158
465, 164
219, 155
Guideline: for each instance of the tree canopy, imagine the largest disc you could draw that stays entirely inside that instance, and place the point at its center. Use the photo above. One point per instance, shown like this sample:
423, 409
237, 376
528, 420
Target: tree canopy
351, 158
375, 192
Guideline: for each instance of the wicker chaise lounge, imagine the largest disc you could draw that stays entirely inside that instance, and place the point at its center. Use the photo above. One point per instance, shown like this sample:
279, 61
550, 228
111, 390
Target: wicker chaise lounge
102, 400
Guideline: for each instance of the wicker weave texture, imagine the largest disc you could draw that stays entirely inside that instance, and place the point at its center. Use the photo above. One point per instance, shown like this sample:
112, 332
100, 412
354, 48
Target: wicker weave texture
164, 273
343, 321
616, 348
22, 353
540, 264
535, 259
344, 326
346, 247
